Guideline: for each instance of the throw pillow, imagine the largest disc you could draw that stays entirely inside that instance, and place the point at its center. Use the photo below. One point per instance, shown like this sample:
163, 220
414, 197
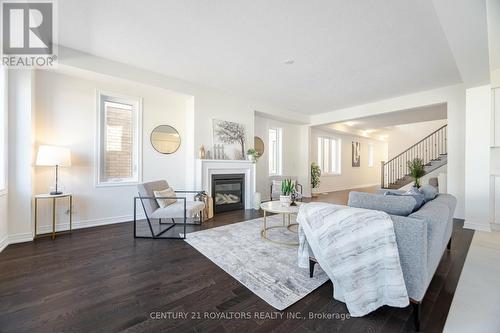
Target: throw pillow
413, 192
169, 192
429, 191
418, 196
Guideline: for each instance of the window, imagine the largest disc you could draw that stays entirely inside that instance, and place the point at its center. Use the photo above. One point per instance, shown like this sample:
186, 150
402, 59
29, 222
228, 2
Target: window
370, 155
119, 140
275, 151
329, 150
3, 130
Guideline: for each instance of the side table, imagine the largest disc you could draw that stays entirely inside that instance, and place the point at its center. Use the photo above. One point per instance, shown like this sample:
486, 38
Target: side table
54, 197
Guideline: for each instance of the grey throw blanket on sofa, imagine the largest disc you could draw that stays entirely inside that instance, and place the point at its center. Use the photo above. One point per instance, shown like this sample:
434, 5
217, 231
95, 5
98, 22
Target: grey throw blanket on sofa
357, 250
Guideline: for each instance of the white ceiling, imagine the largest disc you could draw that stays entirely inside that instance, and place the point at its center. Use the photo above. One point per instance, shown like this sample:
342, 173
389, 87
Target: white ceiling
375, 126
403, 117
345, 52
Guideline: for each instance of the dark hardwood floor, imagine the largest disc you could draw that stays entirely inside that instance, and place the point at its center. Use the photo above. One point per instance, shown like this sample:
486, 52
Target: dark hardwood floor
102, 280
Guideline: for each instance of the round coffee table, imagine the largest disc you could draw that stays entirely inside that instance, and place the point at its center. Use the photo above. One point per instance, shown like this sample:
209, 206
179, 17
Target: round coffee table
286, 212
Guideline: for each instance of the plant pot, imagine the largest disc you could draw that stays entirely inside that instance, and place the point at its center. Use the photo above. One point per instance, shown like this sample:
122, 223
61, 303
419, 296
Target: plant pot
285, 200
251, 158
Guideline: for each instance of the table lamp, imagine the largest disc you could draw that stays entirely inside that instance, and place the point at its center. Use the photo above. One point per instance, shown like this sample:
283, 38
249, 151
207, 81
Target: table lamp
53, 156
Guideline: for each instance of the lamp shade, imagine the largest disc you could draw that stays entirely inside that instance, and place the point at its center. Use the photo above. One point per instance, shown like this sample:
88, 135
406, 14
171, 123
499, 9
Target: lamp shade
53, 155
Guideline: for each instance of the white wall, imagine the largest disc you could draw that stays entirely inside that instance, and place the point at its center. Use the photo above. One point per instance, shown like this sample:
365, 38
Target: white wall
350, 177
402, 137
295, 161
21, 137
4, 227
477, 166
66, 115
453, 96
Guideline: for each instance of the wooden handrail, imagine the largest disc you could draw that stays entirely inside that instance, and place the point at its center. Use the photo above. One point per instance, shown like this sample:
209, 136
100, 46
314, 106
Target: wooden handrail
416, 144
427, 149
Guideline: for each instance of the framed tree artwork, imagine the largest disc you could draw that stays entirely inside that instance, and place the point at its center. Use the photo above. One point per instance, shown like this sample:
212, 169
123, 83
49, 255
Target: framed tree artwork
229, 140
356, 154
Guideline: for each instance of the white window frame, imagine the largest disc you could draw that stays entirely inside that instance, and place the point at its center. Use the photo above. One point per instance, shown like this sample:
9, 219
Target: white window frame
4, 126
371, 154
102, 97
278, 151
334, 161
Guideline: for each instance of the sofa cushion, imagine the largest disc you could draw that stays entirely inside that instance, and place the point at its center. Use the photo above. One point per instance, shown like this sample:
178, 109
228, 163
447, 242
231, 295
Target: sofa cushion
415, 194
176, 210
391, 204
429, 191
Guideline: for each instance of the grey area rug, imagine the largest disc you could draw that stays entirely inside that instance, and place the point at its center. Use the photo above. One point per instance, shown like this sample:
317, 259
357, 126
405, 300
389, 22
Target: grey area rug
269, 270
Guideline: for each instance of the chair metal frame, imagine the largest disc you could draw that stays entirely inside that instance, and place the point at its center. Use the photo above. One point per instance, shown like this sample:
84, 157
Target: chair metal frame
173, 224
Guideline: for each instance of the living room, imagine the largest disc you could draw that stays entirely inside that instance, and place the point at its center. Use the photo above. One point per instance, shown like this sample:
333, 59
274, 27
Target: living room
176, 178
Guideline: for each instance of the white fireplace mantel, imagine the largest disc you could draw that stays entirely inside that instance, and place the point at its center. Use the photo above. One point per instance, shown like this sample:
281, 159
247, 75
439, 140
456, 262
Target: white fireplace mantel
206, 168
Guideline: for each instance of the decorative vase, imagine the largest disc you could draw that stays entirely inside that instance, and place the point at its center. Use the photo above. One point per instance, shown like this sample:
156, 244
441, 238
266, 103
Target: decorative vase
202, 152
285, 200
256, 200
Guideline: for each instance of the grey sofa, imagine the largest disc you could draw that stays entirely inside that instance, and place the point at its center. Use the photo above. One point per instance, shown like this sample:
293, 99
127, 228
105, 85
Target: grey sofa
422, 236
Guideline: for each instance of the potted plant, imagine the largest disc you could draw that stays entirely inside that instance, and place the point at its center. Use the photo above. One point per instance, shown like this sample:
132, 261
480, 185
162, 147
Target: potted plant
287, 188
417, 171
315, 174
252, 155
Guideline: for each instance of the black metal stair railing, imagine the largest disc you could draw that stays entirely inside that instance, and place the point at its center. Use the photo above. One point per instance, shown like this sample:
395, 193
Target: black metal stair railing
430, 148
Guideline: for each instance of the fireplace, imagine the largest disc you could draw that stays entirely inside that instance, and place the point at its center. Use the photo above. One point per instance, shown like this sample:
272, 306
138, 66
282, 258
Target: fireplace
228, 192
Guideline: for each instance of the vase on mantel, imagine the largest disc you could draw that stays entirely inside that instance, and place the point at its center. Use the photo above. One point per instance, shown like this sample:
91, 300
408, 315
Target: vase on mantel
202, 152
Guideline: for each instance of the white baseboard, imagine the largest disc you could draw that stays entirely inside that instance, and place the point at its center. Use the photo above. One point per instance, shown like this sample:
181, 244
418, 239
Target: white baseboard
28, 237
3, 243
20, 238
495, 226
89, 223
477, 226
343, 188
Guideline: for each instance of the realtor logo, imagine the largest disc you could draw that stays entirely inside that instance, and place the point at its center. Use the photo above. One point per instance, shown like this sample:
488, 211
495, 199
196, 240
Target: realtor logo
28, 34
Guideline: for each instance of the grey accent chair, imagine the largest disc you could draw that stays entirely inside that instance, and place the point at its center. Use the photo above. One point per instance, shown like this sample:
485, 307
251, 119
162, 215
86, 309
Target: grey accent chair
275, 191
182, 209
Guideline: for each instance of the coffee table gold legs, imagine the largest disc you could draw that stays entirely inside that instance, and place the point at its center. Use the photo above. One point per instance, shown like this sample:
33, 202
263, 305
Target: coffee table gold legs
286, 224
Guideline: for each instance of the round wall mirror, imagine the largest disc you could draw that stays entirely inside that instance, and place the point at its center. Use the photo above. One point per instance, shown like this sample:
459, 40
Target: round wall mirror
258, 145
165, 139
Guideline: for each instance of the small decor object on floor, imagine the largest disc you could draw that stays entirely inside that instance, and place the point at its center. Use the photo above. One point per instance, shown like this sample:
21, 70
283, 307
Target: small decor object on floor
202, 152
257, 198
315, 174
356, 154
203, 197
232, 135
56, 157
416, 169
287, 188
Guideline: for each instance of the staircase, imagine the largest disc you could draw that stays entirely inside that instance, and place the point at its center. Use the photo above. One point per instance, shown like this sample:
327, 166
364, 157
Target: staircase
432, 150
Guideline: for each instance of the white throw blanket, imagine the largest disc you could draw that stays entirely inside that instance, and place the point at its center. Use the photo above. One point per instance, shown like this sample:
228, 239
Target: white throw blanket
357, 250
